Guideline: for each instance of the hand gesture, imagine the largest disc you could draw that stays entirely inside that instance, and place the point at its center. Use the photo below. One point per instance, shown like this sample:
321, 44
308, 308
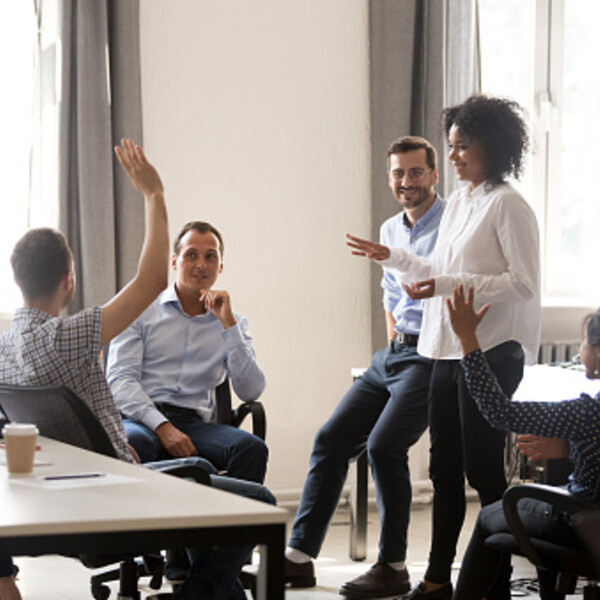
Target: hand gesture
463, 317
142, 174
421, 289
366, 248
537, 447
174, 441
219, 303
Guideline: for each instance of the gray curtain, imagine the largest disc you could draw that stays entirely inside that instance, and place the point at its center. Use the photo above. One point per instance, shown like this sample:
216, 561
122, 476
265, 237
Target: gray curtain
424, 55
100, 102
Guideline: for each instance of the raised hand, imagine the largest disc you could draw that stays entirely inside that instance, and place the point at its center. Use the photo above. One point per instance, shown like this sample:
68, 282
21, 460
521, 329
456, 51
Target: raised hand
219, 303
463, 317
142, 174
366, 248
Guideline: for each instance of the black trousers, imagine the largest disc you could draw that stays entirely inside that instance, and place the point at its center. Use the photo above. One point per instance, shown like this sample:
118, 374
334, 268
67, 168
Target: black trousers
463, 443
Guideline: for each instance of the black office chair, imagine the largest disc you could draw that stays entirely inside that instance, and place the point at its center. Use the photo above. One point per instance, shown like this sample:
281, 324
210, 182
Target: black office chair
228, 415
570, 563
61, 415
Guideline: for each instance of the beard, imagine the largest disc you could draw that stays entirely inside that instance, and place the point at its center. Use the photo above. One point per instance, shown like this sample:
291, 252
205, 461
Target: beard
412, 196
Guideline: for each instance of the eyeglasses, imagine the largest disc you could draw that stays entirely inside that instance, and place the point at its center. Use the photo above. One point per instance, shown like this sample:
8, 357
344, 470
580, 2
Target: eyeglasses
415, 174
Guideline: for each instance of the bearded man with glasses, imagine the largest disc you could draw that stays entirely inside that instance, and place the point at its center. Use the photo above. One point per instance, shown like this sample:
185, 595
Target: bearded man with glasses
385, 411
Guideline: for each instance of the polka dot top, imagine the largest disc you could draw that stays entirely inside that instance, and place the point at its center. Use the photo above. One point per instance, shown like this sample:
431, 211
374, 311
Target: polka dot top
577, 420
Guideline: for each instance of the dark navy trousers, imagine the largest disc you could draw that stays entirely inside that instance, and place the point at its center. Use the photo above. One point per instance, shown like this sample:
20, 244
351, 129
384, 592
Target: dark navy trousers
385, 411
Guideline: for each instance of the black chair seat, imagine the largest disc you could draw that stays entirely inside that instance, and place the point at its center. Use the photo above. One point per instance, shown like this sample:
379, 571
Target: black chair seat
554, 556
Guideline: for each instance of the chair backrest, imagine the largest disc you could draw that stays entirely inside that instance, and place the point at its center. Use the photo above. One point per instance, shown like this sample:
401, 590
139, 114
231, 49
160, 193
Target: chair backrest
223, 402
58, 413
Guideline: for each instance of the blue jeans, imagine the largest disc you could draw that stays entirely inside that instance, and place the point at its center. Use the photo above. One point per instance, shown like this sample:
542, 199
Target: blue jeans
463, 442
241, 454
482, 565
213, 571
385, 411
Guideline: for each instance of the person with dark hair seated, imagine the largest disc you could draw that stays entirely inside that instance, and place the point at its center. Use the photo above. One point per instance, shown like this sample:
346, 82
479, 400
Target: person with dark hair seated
577, 420
41, 347
162, 370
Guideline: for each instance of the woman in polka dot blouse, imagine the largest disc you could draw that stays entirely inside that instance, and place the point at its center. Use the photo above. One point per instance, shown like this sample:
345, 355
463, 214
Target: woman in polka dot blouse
576, 420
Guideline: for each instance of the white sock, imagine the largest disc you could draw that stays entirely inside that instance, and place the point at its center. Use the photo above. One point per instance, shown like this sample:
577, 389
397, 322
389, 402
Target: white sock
397, 565
297, 556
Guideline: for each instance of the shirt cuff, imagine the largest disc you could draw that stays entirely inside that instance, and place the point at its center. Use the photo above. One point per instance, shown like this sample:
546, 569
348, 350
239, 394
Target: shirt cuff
153, 419
473, 360
233, 335
444, 285
395, 259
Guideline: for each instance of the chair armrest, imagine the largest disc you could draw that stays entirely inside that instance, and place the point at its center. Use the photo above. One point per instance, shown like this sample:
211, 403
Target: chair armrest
259, 420
558, 497
182, 468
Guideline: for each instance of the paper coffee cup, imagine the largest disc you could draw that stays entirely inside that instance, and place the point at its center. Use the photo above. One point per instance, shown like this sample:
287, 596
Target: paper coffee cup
19, 442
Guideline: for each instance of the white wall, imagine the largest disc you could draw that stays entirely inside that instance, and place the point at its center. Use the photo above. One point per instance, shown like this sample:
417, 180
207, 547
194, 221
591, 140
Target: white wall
256, 114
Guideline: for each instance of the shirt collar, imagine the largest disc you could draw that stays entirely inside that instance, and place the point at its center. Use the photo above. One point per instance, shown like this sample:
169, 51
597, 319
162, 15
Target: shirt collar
27, 316
437, 205
170, 295
477, 192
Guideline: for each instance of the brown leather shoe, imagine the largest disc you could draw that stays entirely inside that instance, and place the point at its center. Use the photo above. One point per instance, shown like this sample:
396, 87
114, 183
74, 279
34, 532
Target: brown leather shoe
300, 575
379, 581
419, 593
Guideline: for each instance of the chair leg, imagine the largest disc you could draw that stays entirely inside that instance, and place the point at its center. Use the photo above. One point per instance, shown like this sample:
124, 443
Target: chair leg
129, 580
358, 508
591, 591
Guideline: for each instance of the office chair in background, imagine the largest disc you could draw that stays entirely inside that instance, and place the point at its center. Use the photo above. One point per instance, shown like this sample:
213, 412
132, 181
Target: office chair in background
570, 563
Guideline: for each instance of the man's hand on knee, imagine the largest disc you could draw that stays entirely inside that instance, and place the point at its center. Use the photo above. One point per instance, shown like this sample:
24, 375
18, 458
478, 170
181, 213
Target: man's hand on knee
175, 442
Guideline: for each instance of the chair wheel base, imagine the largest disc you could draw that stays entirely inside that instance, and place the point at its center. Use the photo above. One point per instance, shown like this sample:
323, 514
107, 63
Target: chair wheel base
100, 592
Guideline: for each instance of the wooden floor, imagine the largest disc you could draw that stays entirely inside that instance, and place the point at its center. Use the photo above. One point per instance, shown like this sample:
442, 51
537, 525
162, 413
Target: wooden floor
57, 578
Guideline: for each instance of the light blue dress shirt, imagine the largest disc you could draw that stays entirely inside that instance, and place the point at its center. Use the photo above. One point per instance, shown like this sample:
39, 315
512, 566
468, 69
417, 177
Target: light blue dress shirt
420, 239
168, 357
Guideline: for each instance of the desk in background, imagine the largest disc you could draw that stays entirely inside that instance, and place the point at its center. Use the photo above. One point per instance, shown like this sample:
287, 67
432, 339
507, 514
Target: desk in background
133, 508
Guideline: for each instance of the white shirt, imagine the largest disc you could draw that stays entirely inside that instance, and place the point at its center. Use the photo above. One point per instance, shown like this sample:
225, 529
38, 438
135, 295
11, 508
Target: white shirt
490, 240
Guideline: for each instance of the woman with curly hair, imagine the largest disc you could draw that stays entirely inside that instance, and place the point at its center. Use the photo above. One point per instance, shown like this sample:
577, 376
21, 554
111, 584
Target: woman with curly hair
488, 239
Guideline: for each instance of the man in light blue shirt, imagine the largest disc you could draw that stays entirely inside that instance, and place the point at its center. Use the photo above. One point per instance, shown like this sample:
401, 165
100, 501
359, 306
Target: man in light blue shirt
385, 411
163, 369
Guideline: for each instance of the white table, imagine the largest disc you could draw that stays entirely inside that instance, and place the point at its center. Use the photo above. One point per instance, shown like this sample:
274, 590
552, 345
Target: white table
551, 383
132, 509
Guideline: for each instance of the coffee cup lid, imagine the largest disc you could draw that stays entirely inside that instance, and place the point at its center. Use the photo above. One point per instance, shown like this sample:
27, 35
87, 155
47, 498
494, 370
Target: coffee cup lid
19, 429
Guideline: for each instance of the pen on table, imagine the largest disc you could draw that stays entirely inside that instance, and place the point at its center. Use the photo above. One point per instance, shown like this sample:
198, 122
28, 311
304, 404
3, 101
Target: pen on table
73, 476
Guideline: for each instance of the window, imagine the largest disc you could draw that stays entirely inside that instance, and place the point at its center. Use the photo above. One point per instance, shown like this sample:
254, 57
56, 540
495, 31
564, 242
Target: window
29, 186
541, 54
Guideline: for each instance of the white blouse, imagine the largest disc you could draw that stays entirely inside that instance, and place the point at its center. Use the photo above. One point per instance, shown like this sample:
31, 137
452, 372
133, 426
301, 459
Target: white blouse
490, 240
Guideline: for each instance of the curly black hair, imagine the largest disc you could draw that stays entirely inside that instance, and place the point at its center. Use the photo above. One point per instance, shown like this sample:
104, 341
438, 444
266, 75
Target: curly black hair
499, 125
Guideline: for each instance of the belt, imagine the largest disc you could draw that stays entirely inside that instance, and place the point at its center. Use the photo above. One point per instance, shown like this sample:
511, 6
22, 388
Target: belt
408, 339
165, 409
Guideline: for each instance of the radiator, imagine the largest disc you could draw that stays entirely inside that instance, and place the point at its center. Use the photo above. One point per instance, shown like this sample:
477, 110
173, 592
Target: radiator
557, 352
